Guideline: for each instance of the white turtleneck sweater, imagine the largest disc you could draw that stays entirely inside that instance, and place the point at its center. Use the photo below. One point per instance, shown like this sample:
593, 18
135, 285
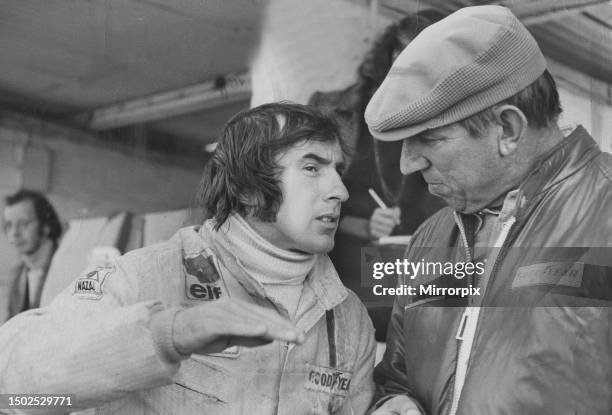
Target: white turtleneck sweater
279, 271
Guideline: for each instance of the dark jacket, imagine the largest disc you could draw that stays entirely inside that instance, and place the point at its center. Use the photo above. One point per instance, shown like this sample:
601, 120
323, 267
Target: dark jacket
543, 337
18, 290
17, 301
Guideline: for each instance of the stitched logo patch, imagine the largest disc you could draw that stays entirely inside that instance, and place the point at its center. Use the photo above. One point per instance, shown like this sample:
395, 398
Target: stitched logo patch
325, 379
89, 286
567, 274
202, 278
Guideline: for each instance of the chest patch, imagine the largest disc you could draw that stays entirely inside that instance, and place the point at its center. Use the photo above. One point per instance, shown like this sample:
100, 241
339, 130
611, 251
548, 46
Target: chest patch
89, 285
325, 379
202, 277
566, 274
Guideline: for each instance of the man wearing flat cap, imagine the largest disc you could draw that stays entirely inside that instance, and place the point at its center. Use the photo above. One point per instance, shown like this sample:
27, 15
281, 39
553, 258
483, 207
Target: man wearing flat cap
520, 323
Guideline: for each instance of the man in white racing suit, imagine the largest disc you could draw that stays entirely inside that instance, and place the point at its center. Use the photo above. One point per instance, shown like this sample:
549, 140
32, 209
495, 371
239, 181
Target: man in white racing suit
244, 314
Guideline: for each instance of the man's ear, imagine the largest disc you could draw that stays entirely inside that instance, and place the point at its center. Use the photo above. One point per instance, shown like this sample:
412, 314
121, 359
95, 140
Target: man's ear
514, 125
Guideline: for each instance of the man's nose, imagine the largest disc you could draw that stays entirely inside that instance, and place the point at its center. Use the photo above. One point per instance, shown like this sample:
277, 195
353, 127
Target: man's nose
412, 159
338, 190
12, 232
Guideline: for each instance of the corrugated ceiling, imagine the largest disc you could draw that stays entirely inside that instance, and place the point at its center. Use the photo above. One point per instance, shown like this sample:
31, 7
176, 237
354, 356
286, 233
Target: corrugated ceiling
59, 58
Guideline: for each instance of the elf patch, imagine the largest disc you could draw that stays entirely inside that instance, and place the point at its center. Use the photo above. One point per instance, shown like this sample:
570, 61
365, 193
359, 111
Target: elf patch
89, 286
325, 379
202, 278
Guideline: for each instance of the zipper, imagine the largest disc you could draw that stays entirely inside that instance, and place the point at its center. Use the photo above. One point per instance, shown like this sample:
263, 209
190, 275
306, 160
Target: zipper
459, 222
284, 346
470, 319
461, 331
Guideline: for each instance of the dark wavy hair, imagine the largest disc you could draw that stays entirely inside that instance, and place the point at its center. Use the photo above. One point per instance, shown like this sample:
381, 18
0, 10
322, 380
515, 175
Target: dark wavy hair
45, 213
378, 60
242, 175
371, 73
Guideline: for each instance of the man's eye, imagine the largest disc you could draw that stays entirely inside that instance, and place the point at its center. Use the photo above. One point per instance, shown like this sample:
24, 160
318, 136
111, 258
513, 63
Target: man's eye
428, 141
436, 138
311, 169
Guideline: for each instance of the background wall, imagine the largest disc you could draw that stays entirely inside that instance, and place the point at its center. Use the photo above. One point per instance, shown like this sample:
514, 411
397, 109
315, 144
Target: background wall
585, 101
85, 178
314, 45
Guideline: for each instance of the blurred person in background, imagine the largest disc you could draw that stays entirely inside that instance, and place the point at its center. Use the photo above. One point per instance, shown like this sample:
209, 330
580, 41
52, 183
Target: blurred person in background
375, 165
33, 228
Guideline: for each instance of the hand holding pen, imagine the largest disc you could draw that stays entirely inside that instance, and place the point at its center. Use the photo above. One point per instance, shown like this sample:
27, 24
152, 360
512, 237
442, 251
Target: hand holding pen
383, 219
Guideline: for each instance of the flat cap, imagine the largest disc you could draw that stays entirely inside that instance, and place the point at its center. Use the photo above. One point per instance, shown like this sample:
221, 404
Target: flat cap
455, 68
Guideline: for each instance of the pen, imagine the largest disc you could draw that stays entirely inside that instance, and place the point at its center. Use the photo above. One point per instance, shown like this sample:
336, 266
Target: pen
377, 198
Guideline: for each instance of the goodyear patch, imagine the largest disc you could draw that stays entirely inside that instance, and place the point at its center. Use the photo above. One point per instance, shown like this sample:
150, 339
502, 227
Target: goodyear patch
202, 277
567, 274
325, 379
89, 286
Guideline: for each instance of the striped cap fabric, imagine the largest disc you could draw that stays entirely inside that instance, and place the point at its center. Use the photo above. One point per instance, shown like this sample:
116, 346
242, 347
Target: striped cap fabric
455, 68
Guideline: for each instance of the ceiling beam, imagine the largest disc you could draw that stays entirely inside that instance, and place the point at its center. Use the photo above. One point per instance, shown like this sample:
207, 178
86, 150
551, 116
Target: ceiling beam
220, 91
20, 129
529, 11
572, 79
536, 12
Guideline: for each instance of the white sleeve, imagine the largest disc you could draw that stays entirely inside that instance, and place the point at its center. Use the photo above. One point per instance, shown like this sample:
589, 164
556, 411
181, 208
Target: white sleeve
96, 342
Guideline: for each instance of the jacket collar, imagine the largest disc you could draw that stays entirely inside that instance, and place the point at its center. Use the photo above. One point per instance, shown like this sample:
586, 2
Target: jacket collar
322, 280
561, 162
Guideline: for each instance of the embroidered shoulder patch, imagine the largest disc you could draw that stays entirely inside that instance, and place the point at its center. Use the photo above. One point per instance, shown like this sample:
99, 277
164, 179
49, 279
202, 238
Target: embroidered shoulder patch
567, 274
325, 379
89, 286
202, 278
